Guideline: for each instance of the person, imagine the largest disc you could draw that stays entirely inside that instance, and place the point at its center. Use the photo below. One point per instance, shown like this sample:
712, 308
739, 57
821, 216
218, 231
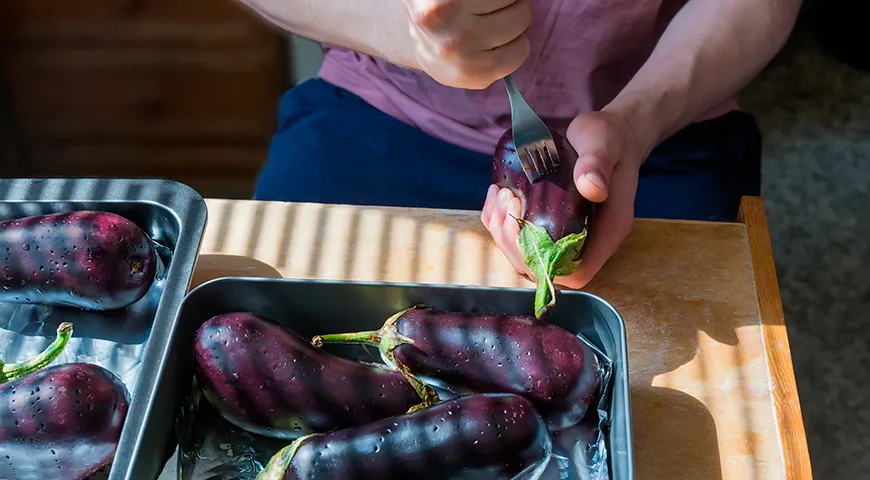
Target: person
408, 105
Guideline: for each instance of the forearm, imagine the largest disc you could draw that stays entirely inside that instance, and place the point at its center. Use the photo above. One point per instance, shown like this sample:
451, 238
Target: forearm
710, 51
374, 27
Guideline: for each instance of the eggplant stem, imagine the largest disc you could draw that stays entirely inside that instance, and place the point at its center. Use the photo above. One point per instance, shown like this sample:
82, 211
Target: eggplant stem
278, 464
14, 371
545, 295
372, 338
428, 395
387, 339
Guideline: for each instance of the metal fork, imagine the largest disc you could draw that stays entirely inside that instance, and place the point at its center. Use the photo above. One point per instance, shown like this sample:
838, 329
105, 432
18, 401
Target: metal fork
535, 146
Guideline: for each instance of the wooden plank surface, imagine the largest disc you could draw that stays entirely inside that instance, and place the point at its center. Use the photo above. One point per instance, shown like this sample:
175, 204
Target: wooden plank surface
703, 402
784, 388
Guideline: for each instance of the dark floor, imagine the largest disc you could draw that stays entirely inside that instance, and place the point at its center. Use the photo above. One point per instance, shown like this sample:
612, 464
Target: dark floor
815, 115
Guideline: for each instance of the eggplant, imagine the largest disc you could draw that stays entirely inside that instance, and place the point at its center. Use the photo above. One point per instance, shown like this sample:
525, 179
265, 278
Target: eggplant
556, 220
86, 259
62, 421
269, 380
491, 436
490, 353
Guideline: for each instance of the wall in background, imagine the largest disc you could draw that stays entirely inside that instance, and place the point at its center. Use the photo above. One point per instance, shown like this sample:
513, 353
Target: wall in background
305, 58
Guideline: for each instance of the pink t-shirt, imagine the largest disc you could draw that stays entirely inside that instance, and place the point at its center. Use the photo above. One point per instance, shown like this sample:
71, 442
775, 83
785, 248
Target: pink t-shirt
583, 52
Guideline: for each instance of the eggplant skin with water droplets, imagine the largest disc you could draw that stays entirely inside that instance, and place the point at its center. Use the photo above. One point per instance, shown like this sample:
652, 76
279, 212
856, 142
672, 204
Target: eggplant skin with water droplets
491, 353
86, 259
487, 436
61, 422
269, 380
553, 202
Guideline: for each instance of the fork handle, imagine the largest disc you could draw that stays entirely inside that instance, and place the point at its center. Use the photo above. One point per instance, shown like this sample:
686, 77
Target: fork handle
521, 111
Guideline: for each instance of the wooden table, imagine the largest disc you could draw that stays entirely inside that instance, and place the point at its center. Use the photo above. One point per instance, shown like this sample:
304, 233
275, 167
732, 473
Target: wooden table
712, 387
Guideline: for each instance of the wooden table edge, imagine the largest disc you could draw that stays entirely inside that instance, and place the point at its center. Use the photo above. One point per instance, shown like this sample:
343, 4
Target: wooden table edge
789, 420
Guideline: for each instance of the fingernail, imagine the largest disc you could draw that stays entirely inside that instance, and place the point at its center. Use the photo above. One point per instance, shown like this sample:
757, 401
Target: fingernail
504, 196
595, 179
515, 206
491, 192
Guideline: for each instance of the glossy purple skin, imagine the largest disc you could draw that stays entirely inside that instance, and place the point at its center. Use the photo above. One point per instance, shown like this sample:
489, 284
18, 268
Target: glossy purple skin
62, 421
491, 437
552, 202
269, 380
488, 353
86, 259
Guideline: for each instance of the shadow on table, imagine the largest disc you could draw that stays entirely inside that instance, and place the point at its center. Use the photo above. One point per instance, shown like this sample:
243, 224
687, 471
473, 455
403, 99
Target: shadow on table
686, 292
212, 266
677, 433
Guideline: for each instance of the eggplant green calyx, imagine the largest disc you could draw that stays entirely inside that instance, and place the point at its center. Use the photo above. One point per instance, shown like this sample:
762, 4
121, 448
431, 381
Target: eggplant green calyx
280, 462
14, 371
387, 338
547, 260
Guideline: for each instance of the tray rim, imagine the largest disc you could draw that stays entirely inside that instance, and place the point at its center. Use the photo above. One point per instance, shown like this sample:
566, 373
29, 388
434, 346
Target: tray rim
189, 209
621, 332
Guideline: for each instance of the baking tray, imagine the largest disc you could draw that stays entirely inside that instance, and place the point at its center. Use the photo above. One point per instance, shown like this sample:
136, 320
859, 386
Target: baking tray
130, 342
312, 307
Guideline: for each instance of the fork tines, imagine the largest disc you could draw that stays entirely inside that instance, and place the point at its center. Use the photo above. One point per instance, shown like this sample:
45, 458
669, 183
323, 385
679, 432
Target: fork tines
538, 161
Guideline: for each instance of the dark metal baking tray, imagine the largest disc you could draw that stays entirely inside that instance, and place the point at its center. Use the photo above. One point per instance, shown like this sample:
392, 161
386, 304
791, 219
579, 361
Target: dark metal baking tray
130, 342
311, 307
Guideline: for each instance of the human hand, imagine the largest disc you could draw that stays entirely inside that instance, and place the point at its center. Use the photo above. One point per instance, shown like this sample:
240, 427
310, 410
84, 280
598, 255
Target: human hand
606, 172
469, 43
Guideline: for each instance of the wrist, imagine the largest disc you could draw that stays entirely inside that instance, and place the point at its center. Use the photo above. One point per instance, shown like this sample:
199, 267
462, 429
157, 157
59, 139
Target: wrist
635, 114
652, 116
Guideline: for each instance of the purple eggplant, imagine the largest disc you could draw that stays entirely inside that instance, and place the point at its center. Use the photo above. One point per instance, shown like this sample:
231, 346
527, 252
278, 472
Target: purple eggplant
269, 380
490, 436
491, 353
62, 421
86, 259
556, 219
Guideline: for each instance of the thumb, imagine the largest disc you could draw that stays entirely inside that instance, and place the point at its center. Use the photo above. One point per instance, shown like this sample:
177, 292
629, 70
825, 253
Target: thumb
597, 155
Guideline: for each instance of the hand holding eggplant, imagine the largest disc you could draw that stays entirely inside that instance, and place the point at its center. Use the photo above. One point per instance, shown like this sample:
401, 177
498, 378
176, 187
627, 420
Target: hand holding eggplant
491, 353
544, 229
493, 437
587, 207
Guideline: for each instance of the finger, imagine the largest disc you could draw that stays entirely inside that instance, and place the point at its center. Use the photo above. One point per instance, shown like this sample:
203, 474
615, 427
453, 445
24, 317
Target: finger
504, 60
503, 26
510, 232
613, 223
597, 156
488, 204
592, 177
483, 7
498, 212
